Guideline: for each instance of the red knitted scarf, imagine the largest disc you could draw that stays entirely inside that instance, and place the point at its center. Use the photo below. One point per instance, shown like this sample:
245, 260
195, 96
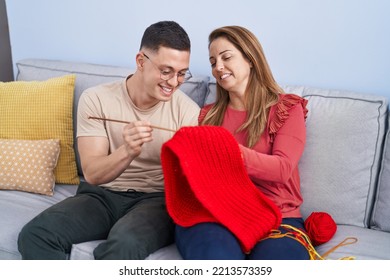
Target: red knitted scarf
206, 181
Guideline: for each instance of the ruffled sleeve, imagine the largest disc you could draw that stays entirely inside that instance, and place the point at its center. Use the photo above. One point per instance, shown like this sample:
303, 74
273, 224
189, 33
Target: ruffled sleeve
203, 112
281, 113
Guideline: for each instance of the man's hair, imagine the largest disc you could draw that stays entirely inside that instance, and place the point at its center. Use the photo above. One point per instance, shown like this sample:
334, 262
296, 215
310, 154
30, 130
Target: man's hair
165, 34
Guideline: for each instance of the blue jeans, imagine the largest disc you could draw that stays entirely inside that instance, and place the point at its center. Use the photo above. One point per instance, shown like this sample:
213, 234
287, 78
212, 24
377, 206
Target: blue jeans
211, 241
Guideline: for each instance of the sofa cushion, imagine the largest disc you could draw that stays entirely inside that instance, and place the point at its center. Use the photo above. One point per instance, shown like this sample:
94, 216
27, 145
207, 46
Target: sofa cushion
196, 88
28, 165
381, 212
88, 75
370, 244
37, 110
18, 208
340, 163
84, 251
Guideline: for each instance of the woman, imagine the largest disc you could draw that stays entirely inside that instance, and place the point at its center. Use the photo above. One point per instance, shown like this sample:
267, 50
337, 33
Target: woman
269, 126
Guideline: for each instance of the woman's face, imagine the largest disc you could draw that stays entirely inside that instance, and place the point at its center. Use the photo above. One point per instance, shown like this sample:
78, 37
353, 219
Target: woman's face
229, 67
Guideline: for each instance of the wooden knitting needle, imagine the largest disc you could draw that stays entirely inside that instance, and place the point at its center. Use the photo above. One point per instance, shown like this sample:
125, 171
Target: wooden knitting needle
120, 121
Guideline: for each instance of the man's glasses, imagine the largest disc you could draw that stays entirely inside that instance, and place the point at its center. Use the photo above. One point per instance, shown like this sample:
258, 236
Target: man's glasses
168, 74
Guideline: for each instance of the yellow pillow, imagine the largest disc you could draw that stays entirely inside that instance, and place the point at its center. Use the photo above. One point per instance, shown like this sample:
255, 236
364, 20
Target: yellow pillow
36, 110
27, 165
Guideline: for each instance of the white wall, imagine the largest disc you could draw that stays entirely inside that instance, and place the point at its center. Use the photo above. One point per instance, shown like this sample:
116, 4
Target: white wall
340, 44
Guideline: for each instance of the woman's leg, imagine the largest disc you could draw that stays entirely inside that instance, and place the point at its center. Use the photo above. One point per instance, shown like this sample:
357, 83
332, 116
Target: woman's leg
284, 248
207, 241
50, 235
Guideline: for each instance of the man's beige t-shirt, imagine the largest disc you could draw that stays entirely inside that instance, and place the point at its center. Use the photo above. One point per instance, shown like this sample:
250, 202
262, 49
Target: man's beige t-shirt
111, 101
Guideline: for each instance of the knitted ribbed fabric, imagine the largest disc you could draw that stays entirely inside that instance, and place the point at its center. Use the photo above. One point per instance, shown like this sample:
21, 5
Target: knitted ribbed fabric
206, 181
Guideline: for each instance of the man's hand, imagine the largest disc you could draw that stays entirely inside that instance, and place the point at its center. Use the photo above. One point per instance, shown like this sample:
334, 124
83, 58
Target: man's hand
135, 134
100, 166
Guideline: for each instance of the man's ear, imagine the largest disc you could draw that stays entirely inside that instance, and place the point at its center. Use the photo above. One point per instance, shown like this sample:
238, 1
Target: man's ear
139, 60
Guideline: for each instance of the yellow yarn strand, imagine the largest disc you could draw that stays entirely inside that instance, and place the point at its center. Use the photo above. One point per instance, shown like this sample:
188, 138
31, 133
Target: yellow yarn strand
304, 239
346, 241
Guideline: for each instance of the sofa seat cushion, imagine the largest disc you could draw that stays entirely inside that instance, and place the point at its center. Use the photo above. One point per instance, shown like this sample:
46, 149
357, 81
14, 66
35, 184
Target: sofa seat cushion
84, 251
18, 208
371, 244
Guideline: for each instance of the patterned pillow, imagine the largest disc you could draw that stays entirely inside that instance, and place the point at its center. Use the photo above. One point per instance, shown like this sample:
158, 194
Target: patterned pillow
36, 110
28, 165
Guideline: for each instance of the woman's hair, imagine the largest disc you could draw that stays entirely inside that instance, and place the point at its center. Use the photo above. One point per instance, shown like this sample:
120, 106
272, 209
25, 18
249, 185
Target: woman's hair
165, 34
262, 90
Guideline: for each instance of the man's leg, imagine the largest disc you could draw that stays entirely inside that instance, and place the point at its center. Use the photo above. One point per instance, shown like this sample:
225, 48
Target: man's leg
145, 228
77, 219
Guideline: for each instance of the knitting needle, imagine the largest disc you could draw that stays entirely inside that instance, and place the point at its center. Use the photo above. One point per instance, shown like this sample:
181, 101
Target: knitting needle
120, 121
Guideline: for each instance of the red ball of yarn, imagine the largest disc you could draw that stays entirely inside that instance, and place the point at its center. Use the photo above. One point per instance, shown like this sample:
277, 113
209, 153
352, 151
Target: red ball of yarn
320, 227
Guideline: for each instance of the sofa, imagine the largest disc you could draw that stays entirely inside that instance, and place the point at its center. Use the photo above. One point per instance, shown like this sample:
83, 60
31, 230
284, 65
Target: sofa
345, 167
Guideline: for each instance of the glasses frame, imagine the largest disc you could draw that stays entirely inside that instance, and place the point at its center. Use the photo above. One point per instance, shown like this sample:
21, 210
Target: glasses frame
167, 76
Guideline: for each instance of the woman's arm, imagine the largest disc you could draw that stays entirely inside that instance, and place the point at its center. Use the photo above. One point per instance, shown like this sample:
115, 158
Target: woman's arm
287, 149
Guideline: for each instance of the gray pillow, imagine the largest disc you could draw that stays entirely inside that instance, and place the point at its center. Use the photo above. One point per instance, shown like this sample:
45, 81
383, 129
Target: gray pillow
340, 163
381, 213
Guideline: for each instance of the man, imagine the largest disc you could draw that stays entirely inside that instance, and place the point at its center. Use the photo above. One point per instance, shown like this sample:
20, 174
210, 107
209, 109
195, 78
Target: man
122, 199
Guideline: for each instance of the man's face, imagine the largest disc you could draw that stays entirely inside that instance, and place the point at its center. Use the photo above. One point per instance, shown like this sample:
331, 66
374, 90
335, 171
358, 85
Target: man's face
163, 71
